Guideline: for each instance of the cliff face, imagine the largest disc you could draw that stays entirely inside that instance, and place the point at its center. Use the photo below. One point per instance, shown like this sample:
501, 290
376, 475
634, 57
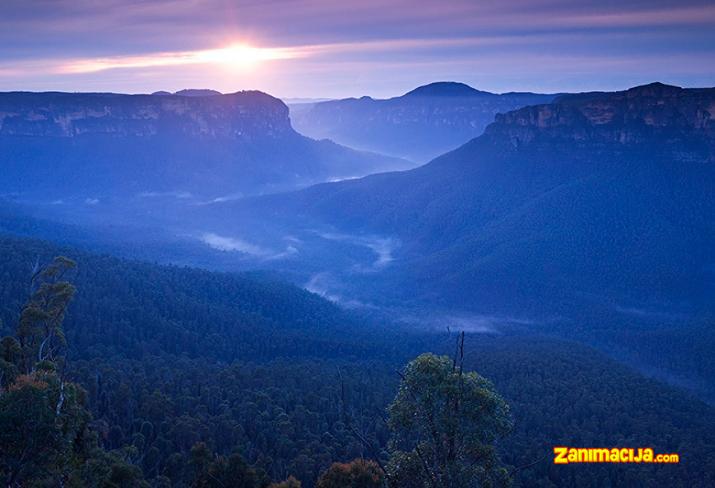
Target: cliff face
658, 114
242, 115
63, 145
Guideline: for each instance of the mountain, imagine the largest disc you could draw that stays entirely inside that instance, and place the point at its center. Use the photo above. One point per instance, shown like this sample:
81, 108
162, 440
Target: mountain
93, 146
418, 125
445, 89
591, 213
594, 193
589, 218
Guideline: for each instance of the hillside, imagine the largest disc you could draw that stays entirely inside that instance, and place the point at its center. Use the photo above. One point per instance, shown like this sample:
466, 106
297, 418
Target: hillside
597, 193
594, 211
127, 306
418, 125
85, 148
173, 356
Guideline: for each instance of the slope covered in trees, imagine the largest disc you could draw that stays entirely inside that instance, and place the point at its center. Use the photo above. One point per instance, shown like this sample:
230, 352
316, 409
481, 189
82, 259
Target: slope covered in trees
596, 198
171, 358
133, 308
593, 211
45, 433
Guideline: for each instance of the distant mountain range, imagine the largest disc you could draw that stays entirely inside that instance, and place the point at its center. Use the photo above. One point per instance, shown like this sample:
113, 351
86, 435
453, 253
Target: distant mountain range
589, 217
602, 197
419, 125
86, 147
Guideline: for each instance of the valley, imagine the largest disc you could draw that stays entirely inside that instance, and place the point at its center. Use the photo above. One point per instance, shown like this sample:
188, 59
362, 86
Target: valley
571, 241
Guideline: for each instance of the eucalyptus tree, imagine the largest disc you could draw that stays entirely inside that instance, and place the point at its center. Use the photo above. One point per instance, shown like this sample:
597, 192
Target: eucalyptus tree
445, 423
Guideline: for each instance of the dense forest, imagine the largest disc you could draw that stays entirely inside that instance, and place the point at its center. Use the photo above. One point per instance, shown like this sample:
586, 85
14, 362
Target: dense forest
181, 377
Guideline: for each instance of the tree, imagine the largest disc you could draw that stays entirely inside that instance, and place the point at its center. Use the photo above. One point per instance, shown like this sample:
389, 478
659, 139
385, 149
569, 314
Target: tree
355, 474
444, 423
45, 438
39, 332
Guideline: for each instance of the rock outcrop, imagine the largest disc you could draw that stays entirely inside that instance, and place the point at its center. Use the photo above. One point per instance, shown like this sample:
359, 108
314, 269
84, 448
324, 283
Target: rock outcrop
659, 113
238, 115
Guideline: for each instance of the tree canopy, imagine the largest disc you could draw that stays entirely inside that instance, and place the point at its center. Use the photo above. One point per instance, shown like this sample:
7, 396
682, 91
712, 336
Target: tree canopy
164, 358
444, 423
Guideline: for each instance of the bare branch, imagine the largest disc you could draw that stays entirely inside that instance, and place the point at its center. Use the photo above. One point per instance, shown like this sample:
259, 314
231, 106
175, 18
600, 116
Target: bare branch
61, 400
528, 465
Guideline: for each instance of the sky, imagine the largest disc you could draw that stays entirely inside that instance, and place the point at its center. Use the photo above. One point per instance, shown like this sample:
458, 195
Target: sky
342, 48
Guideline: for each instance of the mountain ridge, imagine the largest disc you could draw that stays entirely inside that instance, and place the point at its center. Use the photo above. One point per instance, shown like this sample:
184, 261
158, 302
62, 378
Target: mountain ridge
71, 114
590, 218
445, 89
128, 145
626, 116
539, 167
418, 125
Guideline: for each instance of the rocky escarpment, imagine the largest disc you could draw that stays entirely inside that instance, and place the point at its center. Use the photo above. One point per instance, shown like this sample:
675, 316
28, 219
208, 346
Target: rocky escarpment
655, 113
79, 145
238, 116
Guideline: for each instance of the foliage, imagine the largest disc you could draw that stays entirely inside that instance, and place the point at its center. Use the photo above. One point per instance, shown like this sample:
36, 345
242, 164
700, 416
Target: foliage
291, 482
222, 471
444, 423
169, 357
358, 473
45, 438
40, 333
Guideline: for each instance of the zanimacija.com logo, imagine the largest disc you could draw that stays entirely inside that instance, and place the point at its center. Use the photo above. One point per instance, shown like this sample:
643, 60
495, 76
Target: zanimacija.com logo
568, 455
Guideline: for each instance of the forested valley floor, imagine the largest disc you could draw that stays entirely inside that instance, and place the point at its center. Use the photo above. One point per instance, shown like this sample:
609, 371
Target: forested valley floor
169, 358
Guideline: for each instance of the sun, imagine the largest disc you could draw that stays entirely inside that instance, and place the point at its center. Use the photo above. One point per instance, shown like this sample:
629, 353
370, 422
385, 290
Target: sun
241, 56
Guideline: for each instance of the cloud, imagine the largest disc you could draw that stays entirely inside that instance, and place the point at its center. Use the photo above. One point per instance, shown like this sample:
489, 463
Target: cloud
236, 56
330, 49
289, 251
224, 198
182, 195
383, 247
648, 313
324, 284
233, 56
233, 244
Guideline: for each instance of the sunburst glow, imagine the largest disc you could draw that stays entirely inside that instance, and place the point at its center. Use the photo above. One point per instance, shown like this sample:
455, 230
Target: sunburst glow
242, 55
234, 56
